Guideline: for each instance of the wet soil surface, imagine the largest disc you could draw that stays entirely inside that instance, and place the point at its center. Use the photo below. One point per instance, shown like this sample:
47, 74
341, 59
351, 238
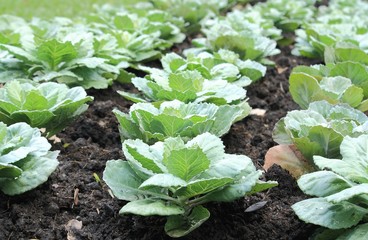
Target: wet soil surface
73, 192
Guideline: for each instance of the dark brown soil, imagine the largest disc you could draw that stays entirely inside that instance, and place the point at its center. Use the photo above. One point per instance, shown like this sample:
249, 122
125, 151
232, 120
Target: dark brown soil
72, 192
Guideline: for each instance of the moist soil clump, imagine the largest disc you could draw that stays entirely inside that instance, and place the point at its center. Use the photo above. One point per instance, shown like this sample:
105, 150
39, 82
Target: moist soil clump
73, 194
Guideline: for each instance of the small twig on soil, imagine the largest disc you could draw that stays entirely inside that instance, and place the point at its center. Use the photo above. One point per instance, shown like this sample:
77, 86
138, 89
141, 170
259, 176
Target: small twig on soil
282, 88
75, 197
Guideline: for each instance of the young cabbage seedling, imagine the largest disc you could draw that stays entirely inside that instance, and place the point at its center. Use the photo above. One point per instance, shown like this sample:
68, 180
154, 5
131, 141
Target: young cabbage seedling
340, 190
47, 105
318, 130
25, 159
152, 123
174, 179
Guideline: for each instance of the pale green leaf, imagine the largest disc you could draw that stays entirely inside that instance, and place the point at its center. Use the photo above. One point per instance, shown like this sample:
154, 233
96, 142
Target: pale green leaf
149, 158
149, 207
322, 183
186, 163
353, 172
347, 194
302, 88
164, 180
36, 171
321, 212
123, 181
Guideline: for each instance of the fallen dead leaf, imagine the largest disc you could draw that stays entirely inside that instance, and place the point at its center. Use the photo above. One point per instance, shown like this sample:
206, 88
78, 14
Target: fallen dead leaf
73, 225
258, 112
55, 139
281, 70
289, 158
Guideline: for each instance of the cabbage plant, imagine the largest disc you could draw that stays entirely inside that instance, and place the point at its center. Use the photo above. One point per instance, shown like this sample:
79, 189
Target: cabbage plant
66, 58
186, 86
152, 123
246, 39
342, 21
284, 14
25, 159
221, 65
48, 105
318, 130
313, 40
340, 193
192, 11
138, 35
343, 82
174, 179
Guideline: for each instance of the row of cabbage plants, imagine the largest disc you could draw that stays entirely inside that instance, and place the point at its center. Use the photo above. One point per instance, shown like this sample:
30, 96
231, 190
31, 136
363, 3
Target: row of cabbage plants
175, 160
324, 145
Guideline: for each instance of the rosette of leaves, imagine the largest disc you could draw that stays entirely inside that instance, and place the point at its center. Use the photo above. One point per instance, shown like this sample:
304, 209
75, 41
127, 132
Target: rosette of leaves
340, 193
221, 65
285, 15
242, 38
193, 11
340, 21
314, 38
156, 122
186, 86
48, 105
25, 159
138, 36
66, 58
344, 11
343, 82
243, 21
174, 179
318, 130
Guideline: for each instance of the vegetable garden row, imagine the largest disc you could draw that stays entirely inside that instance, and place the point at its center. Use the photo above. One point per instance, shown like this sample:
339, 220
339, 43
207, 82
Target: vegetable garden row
174, 162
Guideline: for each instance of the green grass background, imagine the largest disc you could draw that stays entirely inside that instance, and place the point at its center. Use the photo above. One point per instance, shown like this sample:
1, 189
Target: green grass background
51, 8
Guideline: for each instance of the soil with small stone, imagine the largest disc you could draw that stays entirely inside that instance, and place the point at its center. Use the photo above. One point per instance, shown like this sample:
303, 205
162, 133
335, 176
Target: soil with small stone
73, 193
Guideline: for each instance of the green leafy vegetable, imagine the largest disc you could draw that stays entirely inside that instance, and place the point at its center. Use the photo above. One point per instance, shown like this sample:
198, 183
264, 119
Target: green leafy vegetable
192, 11
186, 86
66, 59
25, 159
171, 119
48, 105
284, 14
319, 130
139, 36
222, 65
341, 192
236, 34
306, 88
341, 22
175, 179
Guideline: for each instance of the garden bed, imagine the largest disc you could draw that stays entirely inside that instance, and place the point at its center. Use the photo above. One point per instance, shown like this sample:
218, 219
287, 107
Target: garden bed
73, 192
